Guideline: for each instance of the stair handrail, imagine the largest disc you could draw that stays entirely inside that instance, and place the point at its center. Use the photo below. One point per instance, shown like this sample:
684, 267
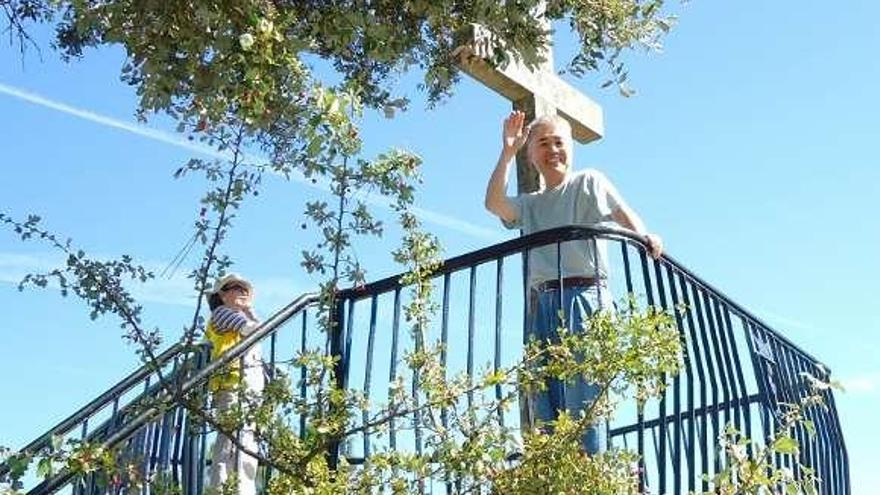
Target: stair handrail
96, 404
236, 352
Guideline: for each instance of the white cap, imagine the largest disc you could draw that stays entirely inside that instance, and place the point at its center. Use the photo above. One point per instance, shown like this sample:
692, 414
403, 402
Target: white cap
229, 278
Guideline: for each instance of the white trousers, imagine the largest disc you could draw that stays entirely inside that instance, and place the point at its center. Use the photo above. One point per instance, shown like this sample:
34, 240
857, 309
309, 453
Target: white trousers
223, 456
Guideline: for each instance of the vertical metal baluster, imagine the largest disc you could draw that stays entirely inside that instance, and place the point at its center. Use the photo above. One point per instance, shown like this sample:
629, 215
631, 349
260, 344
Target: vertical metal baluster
724, 367
417, 416
629, 293
640, 417
272, 354
160, 447
661, 410
702, 319
529, 301
444, 348
169, 448
242, 369
527, 293
824, 439
177, 441
472, 289
561, 294
349, 335
303, 374
800, 392
346, 358
838, 462
767, 389
742, 391
499, 281
368, 373
689, 385
779, 395
167, 422
813, 453
841, 467
203, 433
598, 273
764, 395
719, 364
687, 289
392, 375
187, 463
89, 479
627, 270
149, 456
142, 451
800, 432
340, 369
784, 390
816, 453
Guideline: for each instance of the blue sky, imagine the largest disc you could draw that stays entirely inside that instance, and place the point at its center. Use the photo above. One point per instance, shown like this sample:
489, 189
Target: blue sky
750, 147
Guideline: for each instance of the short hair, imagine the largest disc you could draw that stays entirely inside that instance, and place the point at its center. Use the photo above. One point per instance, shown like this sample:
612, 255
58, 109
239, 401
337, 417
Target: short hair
544, 120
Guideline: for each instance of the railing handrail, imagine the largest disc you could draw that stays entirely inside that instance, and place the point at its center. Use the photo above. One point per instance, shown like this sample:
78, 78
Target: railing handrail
454, 264
236, 352
96, 404
552, 236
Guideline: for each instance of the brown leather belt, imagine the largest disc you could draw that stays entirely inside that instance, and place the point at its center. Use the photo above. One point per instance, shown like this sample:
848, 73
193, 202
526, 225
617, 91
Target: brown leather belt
567, 282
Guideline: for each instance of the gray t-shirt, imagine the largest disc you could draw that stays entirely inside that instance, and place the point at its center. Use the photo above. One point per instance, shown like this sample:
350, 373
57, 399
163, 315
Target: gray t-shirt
585, 198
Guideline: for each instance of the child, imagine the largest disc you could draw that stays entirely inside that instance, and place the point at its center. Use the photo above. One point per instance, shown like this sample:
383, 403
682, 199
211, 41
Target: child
232, 319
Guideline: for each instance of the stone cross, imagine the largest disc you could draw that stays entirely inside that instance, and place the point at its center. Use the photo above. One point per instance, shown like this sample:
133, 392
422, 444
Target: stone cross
537, 93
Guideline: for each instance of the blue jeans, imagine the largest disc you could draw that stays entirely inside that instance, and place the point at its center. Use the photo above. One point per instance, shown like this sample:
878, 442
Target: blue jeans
575, 396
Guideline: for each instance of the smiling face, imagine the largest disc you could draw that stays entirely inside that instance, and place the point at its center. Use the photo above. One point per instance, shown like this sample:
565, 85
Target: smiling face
550, 149
236, 295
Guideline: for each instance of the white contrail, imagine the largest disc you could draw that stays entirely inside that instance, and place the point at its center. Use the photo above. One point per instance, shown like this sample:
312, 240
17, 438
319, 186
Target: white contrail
139, 130
433, 217
177, 290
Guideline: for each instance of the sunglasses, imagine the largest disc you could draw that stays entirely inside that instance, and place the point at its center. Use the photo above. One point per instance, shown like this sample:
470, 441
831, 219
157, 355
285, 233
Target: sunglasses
237, 287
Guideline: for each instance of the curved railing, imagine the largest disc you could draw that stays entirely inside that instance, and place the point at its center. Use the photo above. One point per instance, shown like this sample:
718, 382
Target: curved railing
737, 369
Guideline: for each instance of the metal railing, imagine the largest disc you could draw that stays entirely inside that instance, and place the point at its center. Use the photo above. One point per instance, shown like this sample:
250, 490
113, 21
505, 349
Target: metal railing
736, 369
170, 442
105, 415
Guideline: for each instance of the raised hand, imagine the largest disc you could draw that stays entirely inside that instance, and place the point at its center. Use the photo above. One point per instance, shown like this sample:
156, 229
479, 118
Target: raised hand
655, 245
515, 132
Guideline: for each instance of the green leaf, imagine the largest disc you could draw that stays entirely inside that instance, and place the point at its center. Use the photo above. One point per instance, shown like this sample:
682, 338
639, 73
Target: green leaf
44, 468
810, 426
785, 445
314, 147
18, 465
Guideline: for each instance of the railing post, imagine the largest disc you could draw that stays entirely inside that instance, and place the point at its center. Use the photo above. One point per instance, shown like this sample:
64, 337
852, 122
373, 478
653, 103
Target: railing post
340, 369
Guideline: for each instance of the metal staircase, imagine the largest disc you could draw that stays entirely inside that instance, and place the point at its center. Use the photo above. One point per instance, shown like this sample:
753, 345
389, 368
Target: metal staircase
737, 370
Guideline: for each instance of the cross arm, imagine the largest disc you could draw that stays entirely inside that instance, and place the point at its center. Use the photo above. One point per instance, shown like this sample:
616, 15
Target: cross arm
516, 83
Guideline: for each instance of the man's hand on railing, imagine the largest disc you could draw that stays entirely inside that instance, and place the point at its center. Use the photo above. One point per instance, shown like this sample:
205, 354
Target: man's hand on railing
655, 245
